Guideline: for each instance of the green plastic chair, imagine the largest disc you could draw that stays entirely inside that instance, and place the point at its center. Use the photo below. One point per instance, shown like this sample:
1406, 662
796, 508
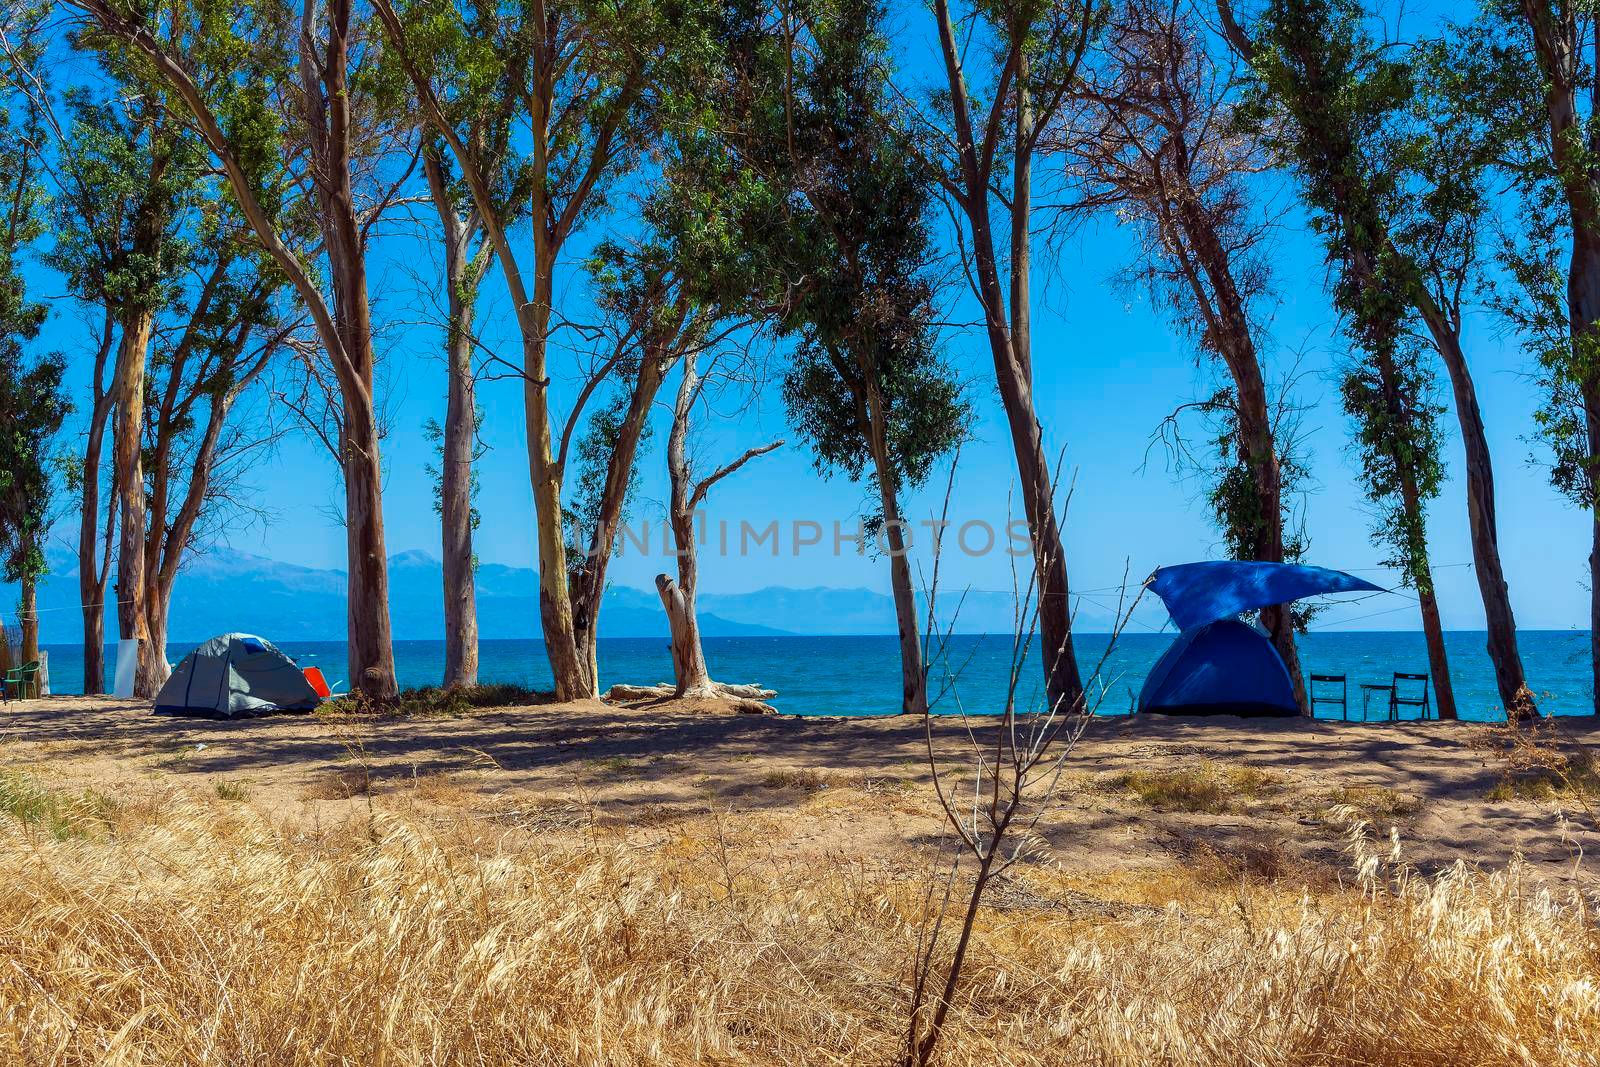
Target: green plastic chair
19, 681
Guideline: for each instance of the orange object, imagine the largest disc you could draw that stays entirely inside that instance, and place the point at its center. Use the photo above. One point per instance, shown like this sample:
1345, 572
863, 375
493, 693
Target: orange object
318, 682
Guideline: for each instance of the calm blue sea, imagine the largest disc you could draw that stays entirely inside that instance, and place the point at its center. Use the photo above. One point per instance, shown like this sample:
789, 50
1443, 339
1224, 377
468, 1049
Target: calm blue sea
861, 675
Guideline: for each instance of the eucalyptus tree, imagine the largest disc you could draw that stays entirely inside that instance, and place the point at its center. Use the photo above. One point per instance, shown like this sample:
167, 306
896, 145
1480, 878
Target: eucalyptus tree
646, 293
291, 108
1398, 197
467, 259
1008, 66
837, 260
867, 385
1153, 134
1522, 77
206, 420
687, 492
585, 86
129, 183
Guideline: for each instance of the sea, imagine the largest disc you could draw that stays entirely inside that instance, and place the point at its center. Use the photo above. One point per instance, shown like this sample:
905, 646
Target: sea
861, 675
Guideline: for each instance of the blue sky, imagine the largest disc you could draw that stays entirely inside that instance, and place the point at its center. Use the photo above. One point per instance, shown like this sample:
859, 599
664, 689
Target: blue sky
1108, 369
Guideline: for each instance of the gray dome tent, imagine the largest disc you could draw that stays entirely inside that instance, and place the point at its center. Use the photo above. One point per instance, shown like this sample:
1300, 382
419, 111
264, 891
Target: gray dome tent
234, 675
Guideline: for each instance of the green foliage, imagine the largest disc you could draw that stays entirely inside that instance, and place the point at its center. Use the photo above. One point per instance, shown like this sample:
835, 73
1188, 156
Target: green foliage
1232, 492
1492, 86
59, 814
433, 702
33, 405
434, 432
130, 178
1395, 195
586, 492
849, 253
1397, 441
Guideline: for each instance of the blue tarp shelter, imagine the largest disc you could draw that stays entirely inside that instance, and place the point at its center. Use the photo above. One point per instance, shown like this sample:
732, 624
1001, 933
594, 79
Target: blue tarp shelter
1220, 665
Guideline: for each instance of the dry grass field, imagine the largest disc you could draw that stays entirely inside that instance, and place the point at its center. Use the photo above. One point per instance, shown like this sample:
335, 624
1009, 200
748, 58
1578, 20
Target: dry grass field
611, 886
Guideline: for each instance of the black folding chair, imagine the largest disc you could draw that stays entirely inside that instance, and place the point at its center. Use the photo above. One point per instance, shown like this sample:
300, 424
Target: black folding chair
1327, 695
1411, 696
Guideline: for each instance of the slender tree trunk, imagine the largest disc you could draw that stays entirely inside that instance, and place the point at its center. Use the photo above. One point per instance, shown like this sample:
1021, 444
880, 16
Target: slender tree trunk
91, 569
572, 679
1558, 49
158, 605
28, 618
690, 673
871, 418
371, 641
153, 666
1063, 685
460, 430
327, 105
1422, 573
1501, 625
1229, 324
913, 685
370, 633
127, 440
1444, 693
460, 592
1014, 380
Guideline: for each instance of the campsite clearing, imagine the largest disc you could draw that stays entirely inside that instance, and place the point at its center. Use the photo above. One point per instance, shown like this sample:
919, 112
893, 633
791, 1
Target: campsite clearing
1269, 797
746, 889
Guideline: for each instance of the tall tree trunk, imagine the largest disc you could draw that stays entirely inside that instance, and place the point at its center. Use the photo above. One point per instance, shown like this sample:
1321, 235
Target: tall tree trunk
158, 605
460, 592
153, 666
913, 683
1063, 686
1559, 49
371, 644
1229, 324
28, 618
92, 549
1421, 570
462, 275
588, 583
690, 673
1515, 695
1444, 692
127, 437
871, 417
1014, 377
1583, 315
331, 125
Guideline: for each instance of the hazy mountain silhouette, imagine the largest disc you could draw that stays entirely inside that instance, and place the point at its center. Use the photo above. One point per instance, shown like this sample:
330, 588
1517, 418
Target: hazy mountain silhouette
225, 590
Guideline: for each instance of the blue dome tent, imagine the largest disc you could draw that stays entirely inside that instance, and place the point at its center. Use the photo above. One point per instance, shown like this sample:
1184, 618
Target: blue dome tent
1220, 665
1220, 668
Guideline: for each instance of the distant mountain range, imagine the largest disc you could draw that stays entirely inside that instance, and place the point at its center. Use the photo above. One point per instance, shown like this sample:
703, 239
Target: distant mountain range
225, 590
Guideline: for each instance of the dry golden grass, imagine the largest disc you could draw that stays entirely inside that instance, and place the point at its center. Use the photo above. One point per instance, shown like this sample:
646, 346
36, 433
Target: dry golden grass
1204, 786
210, 935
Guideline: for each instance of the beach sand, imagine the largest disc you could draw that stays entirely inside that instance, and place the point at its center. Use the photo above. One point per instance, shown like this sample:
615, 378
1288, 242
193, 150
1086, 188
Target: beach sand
852, 789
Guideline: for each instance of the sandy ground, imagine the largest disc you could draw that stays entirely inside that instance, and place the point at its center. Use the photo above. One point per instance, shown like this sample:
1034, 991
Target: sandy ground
849, 788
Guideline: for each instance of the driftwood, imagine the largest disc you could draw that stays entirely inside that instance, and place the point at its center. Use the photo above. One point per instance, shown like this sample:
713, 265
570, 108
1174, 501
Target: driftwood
745, 699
